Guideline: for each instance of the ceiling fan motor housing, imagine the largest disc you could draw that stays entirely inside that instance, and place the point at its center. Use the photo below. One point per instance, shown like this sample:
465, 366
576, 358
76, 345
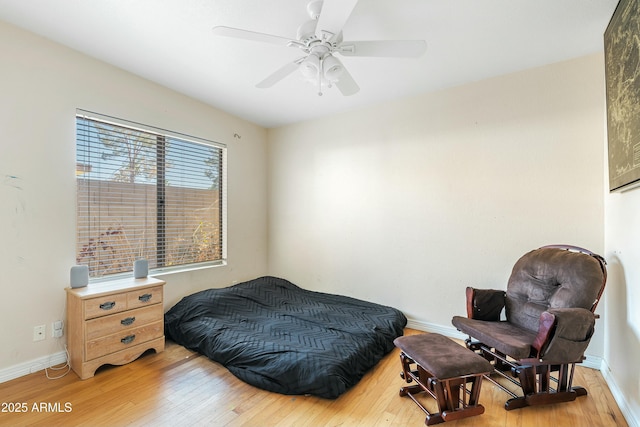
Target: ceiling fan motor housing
307, 31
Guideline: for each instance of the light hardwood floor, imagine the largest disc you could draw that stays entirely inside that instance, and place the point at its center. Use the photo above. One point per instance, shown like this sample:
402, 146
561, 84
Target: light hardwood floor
181, 388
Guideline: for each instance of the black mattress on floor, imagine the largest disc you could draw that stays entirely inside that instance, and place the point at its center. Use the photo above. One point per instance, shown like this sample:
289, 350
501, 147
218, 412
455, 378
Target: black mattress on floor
279, 337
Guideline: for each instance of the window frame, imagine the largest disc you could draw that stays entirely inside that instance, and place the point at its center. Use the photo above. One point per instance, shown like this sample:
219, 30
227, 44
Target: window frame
167, 134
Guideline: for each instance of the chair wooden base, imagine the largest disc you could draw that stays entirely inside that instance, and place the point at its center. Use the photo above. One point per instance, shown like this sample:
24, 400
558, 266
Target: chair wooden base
541, 399
449, 394
534, 379
457, 397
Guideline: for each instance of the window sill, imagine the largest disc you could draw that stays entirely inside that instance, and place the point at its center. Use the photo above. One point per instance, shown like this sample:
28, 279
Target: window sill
162, 272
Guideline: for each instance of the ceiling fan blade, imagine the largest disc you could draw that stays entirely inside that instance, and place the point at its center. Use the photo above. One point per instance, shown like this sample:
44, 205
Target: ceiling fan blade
346, 84
384, 48
280, 74
334, 15
250, 35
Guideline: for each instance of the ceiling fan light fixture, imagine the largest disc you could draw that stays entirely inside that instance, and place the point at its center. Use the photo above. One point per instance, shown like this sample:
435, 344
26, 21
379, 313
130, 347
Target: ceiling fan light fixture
333, 68
314, 8
310, 67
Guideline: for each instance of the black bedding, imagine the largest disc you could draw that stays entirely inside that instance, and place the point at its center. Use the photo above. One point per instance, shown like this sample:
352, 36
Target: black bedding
279, 337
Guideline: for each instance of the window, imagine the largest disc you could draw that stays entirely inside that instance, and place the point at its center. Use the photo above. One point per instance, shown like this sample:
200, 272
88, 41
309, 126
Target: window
146, 193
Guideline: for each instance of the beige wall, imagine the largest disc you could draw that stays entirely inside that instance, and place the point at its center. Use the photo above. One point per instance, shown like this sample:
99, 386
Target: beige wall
409, 202
41, 85
622, 335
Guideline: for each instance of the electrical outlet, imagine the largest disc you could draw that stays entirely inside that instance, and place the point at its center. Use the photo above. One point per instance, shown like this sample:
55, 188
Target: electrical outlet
56, 329
39, 332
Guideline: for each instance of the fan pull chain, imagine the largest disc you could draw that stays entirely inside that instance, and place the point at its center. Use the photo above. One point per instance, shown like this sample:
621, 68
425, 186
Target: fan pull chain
320, 75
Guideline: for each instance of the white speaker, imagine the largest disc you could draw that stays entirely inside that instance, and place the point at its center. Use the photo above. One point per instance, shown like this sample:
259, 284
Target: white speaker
79, 276
140, 268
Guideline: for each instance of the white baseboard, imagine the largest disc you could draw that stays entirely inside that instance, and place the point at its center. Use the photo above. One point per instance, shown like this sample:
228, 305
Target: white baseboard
31, 366
618, 396
447, 331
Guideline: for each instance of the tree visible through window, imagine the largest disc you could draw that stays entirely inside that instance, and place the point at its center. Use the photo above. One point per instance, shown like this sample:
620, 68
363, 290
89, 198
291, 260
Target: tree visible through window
146, 193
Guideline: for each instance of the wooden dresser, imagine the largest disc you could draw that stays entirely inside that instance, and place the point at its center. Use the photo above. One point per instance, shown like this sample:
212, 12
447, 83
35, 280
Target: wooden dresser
113, 323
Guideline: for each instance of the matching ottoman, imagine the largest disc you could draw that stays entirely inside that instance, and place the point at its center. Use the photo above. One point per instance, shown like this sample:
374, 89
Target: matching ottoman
450, 373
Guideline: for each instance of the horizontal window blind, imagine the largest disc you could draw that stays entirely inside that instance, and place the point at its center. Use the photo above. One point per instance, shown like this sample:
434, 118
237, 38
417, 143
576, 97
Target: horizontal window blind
146, 193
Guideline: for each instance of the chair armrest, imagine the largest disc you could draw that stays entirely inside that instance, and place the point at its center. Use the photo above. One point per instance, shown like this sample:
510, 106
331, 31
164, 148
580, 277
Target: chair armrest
564, 334
546, 329
485, 304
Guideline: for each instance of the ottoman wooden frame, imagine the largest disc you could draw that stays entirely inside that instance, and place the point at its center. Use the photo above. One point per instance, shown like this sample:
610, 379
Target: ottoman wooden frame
447, 371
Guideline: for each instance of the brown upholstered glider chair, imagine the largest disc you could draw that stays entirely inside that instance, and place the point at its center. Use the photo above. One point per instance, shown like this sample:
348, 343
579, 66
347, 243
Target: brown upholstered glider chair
536, 331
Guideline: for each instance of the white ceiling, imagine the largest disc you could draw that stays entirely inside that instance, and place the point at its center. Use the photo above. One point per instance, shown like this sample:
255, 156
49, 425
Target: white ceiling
171, 42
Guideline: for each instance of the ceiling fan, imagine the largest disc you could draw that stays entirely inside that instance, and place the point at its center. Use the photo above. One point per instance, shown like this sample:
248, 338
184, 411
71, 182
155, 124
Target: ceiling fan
320, 39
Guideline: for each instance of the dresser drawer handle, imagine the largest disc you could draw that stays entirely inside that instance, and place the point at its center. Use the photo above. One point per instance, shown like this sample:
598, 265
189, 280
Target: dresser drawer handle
108, 305
128, 339
145, 297
128, 321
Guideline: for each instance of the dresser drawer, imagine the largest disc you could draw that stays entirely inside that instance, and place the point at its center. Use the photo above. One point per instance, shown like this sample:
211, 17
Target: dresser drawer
114, 323
120, 341
144, 297
102, 306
